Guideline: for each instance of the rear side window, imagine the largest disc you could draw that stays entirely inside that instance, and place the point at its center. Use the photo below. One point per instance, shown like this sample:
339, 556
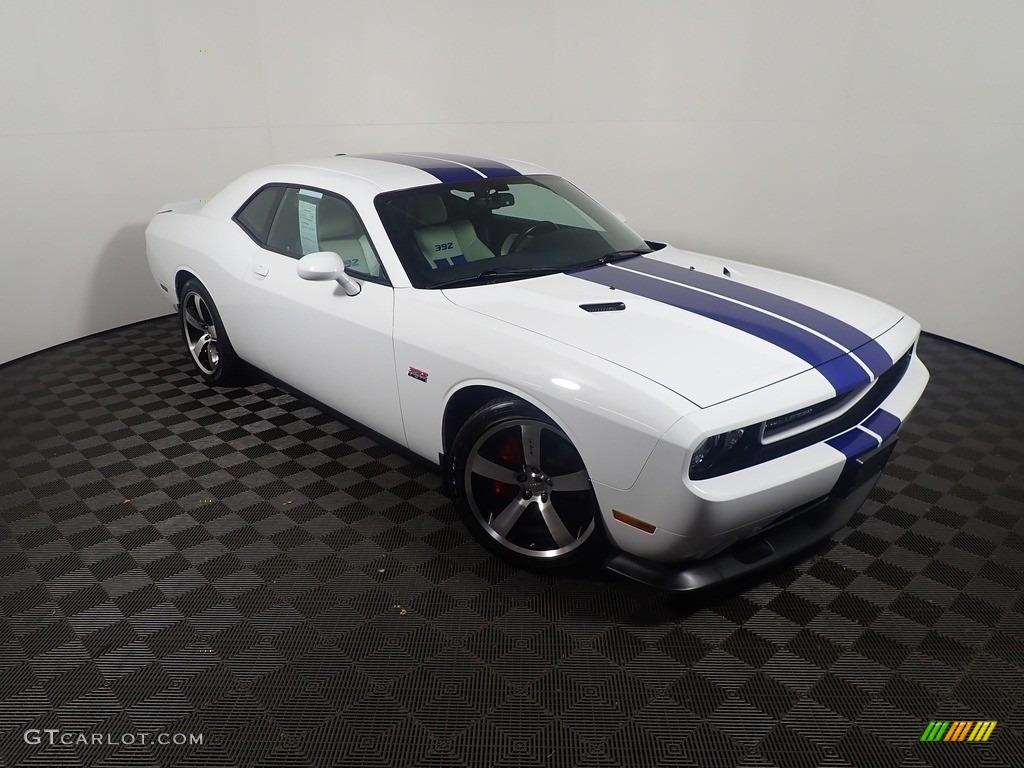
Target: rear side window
295, 221
257, 214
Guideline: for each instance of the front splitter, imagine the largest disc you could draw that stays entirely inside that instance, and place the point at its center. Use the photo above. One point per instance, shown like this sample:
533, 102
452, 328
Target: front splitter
803, 528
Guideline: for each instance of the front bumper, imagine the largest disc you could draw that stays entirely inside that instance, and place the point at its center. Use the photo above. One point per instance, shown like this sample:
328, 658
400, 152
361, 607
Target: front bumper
792, 533
698, 520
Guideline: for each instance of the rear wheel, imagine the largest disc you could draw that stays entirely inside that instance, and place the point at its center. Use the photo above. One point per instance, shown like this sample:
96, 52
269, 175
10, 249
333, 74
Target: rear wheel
207, 342
522, 489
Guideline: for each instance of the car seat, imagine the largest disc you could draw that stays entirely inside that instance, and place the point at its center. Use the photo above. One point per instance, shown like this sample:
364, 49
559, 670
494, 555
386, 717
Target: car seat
442, 242
339, 230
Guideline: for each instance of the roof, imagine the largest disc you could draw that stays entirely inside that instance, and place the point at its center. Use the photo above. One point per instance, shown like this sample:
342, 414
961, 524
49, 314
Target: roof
375, 173
401, 170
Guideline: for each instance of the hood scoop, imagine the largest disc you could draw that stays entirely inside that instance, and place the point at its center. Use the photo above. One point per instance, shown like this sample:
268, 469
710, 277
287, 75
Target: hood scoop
604, 306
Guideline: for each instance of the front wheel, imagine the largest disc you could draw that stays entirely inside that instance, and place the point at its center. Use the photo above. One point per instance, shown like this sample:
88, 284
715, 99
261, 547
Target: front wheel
522, 489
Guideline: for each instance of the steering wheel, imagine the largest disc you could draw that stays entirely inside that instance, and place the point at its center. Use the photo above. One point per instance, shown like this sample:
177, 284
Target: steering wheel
535, 229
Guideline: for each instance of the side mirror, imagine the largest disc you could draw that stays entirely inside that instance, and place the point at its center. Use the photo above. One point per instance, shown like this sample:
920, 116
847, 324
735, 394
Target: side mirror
326, 265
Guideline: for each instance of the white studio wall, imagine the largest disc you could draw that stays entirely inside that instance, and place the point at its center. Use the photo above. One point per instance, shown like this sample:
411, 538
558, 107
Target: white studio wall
876, 144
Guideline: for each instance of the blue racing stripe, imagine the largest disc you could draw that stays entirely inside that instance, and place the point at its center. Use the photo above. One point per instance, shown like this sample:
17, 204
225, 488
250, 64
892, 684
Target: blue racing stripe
443, 170
856, 442
882, 423
492, 169
842, 372
863, 346
450, 262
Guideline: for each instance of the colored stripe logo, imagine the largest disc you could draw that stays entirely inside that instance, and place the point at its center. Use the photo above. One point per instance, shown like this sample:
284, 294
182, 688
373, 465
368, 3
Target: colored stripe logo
450, 169
853, 443
831, 360
442, 262
875, 430
492, 169
863, 346
441, 170
882, 423
958, 730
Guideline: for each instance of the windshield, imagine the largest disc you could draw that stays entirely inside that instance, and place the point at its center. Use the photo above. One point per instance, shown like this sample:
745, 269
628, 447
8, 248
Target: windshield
506, 229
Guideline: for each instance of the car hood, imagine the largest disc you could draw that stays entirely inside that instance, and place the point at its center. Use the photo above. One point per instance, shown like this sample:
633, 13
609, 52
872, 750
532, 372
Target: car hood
707, 330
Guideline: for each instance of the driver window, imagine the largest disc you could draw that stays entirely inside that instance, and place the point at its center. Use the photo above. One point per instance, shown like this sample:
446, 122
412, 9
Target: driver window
309, 220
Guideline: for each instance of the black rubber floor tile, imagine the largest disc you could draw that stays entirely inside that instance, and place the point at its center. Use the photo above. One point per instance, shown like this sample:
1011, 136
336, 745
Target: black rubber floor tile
237, 566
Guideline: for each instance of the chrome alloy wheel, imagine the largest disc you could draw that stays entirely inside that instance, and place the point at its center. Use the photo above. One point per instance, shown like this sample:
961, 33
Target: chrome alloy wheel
200, 332
528, 489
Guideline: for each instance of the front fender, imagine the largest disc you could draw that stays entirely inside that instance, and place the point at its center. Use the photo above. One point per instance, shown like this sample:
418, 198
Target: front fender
613, 416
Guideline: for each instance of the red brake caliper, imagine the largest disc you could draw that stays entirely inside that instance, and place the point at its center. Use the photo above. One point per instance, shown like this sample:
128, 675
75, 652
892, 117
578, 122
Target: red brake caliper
510, 451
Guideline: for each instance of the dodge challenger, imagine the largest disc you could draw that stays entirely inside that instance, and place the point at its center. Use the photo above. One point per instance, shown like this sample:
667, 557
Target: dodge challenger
588, 395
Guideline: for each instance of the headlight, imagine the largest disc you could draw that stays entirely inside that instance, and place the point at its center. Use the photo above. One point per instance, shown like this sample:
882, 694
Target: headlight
712, 451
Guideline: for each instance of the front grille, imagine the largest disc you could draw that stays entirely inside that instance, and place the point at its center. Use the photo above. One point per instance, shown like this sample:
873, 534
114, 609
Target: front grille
790, 421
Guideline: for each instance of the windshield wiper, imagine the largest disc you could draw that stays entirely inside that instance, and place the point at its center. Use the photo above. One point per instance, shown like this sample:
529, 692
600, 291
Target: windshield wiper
608, 258
537, 271
498, 273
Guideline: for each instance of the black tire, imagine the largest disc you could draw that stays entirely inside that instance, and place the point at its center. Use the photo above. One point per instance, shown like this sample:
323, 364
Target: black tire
523, 452
206, 342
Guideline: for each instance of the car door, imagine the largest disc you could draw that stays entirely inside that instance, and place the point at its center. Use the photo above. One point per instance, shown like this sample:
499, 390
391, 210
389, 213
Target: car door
334, 347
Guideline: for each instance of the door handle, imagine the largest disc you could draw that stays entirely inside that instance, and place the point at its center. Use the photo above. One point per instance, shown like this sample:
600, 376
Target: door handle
261, 270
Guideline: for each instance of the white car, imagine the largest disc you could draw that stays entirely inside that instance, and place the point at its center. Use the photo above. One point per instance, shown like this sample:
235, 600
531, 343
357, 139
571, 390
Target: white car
587, 395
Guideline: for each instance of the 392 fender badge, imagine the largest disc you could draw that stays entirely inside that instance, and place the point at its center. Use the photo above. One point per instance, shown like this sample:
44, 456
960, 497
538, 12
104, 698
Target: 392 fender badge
417, 374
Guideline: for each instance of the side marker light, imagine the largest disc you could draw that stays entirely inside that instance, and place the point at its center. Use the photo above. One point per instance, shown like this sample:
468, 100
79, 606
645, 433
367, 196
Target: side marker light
636, 522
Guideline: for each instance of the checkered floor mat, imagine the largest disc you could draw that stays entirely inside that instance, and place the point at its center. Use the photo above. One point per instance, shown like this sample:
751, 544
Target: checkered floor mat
200, 577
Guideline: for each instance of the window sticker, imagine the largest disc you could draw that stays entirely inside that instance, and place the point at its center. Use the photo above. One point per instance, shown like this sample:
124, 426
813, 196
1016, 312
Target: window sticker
307, 226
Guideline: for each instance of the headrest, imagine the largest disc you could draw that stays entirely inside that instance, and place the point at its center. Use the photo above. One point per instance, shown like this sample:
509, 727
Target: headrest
428, 210
336, 220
